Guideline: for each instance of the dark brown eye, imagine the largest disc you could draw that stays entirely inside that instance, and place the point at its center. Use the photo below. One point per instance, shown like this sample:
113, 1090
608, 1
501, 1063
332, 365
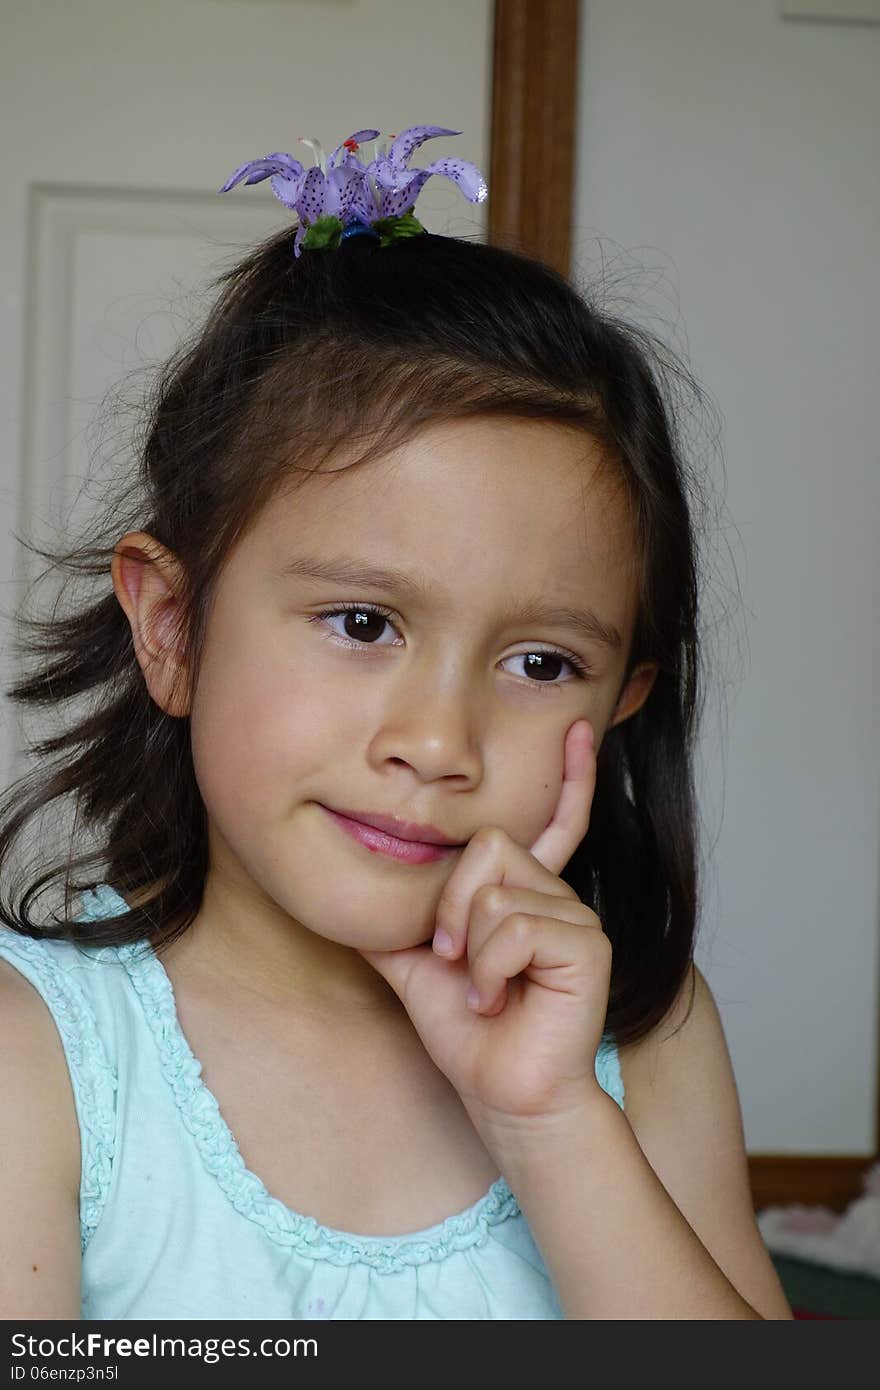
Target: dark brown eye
363, 624
544, 666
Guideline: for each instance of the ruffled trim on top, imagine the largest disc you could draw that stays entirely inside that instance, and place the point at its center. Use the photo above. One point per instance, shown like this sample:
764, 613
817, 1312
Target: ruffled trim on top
247, 1193
222, 1158
93, 1078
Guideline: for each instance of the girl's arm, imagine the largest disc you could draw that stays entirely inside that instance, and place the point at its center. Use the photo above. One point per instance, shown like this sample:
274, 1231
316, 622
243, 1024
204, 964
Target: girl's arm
39, 1161
648, 1214
642, 1214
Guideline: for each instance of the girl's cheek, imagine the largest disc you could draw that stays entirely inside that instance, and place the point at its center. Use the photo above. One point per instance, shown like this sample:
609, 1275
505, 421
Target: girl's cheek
534, 781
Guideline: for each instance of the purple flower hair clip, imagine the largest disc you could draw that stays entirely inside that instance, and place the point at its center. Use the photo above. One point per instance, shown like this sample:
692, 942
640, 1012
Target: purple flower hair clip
341, 197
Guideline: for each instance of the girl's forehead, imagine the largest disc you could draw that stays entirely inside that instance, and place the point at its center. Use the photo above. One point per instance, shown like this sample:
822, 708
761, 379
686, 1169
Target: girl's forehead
512, 511
523, 485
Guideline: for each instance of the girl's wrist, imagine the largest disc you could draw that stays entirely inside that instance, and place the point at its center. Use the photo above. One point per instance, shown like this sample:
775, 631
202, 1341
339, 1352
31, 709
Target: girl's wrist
521, 1144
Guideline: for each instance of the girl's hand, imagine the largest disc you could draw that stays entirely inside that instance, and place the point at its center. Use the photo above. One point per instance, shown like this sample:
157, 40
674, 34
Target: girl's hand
535, 955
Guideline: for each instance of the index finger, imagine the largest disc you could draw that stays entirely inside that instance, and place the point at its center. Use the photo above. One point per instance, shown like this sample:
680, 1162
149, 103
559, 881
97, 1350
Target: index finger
558, 842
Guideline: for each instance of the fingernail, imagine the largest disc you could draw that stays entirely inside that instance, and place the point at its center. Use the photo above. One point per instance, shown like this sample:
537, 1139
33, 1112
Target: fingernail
442, 943
473, 998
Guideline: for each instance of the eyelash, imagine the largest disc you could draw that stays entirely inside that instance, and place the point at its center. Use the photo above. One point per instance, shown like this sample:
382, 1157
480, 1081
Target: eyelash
582, 671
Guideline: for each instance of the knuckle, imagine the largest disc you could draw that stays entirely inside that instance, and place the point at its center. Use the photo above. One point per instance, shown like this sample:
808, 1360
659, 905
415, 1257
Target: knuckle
518, 926
601, 945
569, 892
489, 837
490, 899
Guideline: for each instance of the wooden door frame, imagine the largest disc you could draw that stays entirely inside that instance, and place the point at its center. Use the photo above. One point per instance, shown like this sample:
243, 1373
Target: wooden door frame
534, 96
531, 201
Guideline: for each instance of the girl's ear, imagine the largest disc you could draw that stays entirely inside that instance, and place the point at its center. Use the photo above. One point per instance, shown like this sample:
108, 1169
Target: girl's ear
635, 692
150, 586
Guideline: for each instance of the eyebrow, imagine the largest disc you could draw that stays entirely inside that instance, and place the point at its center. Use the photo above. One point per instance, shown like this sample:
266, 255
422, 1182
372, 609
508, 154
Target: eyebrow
359, 575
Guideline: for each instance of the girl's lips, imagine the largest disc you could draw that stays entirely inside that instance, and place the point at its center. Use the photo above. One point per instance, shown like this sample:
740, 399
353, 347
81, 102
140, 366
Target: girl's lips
379, 841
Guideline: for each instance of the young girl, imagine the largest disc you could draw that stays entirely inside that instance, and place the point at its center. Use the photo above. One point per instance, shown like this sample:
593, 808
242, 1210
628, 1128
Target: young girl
375, 996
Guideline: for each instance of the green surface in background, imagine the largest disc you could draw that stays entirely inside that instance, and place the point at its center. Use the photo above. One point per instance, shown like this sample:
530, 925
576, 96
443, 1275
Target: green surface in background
818, 1289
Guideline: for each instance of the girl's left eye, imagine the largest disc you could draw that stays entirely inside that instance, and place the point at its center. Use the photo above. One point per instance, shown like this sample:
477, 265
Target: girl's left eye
360, 617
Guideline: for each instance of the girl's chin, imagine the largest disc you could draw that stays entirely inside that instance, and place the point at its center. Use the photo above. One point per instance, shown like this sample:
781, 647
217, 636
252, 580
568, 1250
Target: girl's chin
403, 944
365, 940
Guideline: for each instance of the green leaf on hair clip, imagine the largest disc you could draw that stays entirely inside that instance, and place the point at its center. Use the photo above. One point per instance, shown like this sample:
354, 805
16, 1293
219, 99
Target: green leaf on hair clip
396, 228
324, 234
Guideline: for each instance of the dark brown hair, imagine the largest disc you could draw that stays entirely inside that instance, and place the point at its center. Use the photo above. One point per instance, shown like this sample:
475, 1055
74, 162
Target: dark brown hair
298, 360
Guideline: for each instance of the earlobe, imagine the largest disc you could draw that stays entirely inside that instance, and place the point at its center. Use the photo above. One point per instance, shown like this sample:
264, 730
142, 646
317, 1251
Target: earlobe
148, 583
635, 692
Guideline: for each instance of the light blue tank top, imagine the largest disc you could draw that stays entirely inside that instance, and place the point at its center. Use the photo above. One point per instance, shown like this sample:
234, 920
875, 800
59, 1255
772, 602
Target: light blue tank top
173, 1224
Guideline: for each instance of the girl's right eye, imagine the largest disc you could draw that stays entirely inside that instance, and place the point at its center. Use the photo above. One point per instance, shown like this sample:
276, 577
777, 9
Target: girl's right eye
365, 620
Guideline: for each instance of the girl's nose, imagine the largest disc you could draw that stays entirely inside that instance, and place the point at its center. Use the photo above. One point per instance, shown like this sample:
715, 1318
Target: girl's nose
434, 729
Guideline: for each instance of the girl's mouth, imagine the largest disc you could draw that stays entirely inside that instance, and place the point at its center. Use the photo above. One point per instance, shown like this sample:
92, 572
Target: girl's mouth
379, 842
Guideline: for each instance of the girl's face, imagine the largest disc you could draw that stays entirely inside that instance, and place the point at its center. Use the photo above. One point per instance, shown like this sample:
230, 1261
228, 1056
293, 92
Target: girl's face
449, 707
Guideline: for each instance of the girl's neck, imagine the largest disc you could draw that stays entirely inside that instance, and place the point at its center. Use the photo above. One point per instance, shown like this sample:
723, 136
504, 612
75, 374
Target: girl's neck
265, 956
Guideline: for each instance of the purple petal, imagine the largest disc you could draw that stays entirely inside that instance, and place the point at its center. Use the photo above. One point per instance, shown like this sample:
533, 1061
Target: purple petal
283, 165
363, 202
402, 195
361, 136
349, 159
299, 239
312, 196
410, 139
465, 174
342, 184
387, 174
287, 160
287, 190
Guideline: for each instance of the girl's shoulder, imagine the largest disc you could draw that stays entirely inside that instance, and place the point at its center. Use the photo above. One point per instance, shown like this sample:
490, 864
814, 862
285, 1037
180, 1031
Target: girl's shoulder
681, 1063
78, 982
671, 1063
66, 1006
34, 1080
41, 1168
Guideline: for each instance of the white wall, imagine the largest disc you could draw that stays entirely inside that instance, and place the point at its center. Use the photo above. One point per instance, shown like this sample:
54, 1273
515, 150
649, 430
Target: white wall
736, 156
